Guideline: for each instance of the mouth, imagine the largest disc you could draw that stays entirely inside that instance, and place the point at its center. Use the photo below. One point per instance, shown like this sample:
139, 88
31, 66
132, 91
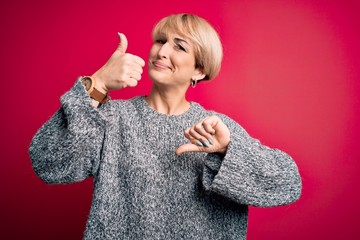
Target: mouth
160, 65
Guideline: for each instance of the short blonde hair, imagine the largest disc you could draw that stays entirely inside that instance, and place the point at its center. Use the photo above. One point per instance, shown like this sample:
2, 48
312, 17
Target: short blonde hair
207, 45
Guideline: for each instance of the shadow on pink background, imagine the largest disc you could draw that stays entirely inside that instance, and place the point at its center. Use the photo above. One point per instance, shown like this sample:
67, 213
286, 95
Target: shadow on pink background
290, 76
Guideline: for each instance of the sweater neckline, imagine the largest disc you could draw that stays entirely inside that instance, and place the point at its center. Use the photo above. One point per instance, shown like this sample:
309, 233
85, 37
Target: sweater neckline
153, 113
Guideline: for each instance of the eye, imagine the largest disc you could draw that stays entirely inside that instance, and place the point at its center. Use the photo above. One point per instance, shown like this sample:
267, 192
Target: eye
178, 46
160, 41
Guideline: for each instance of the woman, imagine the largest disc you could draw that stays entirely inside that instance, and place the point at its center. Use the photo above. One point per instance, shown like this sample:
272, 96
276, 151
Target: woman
151, 182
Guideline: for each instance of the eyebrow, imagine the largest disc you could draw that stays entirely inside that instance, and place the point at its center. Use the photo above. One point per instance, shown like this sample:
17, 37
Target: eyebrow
181, 40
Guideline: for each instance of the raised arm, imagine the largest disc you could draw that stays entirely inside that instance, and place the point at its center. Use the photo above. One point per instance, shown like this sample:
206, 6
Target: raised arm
67, 148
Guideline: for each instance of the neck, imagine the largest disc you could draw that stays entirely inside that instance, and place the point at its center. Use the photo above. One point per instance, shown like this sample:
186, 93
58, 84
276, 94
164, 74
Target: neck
169, 101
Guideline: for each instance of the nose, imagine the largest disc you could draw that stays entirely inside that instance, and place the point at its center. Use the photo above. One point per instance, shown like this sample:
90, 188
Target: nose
164, 50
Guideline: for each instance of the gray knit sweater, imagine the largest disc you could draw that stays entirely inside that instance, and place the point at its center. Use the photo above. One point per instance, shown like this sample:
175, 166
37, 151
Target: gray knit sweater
142, 189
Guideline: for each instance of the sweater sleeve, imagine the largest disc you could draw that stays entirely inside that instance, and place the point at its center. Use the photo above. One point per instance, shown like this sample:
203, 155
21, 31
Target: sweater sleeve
67, 147
251, 173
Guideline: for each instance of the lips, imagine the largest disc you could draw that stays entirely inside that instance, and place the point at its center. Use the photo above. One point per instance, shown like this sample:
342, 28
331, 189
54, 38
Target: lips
161, 65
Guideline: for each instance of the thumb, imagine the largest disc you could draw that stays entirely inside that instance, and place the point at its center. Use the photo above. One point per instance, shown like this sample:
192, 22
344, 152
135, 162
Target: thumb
189, 147
123, 43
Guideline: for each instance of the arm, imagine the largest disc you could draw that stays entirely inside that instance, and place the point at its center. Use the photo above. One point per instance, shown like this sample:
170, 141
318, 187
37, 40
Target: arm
251, 173
240, 167
67, 148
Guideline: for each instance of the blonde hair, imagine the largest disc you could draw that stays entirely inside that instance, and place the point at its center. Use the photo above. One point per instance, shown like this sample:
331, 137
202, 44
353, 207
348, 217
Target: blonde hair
207, 45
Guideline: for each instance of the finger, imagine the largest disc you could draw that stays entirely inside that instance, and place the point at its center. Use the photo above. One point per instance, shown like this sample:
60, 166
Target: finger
131, 82
123, 43
211, 122
194, 134
192, 139
208, 128
187, 134
137, 68
188, 148
199, 139
195, 141
200, 128
135, 75
139, 60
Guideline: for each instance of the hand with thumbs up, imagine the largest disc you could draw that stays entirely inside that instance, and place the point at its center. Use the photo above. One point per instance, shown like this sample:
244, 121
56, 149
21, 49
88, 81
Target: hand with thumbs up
208, 135
121, 70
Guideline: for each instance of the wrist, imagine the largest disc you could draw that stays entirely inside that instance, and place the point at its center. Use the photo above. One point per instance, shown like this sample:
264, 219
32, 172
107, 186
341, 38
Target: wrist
99, 84
222, 151
94, 90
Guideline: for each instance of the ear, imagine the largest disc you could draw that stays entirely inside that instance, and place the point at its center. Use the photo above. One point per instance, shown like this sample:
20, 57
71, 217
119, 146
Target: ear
198, 75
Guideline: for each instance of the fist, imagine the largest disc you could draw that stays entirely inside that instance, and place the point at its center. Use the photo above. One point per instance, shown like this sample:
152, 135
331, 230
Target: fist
121, 70
208, 135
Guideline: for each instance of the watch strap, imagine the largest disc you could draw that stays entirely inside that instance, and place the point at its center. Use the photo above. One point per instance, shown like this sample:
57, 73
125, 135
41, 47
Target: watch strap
98, 96
93, 92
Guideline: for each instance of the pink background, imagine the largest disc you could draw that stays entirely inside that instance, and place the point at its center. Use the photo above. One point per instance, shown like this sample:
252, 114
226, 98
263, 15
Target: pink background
290, 76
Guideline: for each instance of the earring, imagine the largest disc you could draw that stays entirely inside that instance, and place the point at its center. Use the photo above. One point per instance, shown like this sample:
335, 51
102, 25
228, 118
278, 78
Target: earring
193, 83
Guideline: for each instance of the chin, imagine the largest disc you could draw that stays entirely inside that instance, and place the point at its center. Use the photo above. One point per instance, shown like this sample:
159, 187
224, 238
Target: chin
158, 76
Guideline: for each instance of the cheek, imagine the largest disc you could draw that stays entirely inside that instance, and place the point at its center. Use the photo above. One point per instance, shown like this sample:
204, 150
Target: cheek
186, 63
153, 51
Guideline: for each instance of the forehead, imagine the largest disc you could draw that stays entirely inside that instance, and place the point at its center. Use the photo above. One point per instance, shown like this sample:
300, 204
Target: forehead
171, 33
172, 26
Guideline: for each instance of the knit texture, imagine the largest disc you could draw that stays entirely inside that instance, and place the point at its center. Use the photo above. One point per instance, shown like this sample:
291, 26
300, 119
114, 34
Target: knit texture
142, 189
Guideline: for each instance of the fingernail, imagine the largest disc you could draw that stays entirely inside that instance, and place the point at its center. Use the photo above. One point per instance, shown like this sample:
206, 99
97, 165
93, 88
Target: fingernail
206, 144
199, 143
213, 133
210, 141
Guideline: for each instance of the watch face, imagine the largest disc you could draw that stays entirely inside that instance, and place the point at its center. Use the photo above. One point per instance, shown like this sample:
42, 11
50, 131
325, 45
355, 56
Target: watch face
87, 83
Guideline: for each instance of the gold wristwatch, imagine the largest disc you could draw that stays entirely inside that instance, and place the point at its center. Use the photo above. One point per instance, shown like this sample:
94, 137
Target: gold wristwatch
95, 94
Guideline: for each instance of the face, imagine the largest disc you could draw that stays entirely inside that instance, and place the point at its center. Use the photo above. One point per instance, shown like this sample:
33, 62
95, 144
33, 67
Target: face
172, 61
